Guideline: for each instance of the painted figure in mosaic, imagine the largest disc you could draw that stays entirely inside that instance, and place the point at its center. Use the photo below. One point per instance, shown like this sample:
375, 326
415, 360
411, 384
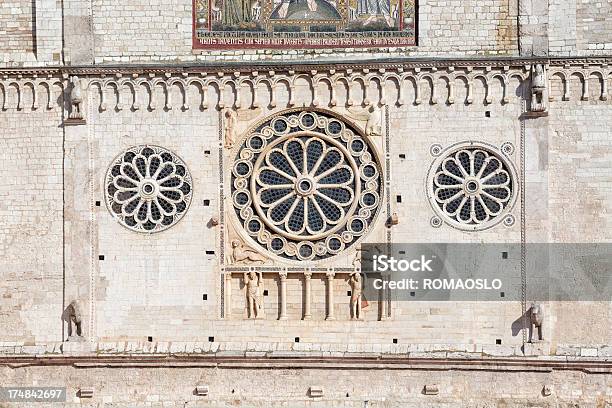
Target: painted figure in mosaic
305, 10
374, 10
236, 12
356, 289
253, 283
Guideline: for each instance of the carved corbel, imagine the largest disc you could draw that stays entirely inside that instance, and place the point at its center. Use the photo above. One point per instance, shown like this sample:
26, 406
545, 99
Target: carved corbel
238, 99
400, 97
119, 87
315, 93
470, 90
167, 100
333, 101
204, 101
451, 89
35, 104
417, 92
488, 98
291, 102
5, 95
255, 104
585, 87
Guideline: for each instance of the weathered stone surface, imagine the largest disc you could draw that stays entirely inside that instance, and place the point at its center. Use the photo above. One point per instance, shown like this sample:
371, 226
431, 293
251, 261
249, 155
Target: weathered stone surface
179, 295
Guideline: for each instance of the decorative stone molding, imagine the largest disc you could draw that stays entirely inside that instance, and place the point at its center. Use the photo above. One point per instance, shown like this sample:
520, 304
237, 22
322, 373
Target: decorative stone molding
46, 91
223, 86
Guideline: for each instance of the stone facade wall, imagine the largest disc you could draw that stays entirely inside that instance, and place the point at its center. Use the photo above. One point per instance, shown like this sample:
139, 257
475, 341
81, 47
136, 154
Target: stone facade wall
157, 278
180, 293
31, 206
170, 285
17, 36
342, 387
578, 160
31, 33
132, 34
162, 278
105, 32
580, 28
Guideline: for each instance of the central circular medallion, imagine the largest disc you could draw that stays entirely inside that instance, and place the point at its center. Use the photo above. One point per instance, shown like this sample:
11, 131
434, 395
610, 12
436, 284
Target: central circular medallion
305, 185
471, 186
147, 189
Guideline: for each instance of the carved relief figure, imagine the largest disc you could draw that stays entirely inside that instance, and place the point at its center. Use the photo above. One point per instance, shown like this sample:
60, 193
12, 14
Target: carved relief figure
357, 259
374, 123
538, 87
230, 122
243, 254
536, 320
254, 294
356, 289
76, 99
73, 312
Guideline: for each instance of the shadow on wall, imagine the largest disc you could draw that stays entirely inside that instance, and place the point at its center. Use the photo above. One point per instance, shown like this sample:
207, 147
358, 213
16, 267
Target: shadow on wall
72, 315
521, 323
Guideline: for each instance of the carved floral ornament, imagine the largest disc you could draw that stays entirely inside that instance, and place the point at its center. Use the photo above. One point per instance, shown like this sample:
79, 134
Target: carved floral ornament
305, 185
472, 186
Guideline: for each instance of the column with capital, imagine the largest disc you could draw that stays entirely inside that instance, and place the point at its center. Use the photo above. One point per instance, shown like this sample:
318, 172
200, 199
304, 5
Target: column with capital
307, 284
330, 296
283, 295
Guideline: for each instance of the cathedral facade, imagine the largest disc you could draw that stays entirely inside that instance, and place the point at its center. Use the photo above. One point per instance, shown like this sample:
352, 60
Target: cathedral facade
190, 186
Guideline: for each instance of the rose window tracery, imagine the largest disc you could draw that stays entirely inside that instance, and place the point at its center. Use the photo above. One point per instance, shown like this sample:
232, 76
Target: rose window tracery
472, 186
305, 185
148, 188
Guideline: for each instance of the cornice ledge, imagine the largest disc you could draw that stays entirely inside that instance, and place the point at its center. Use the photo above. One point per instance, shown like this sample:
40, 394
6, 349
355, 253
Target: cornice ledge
303, 66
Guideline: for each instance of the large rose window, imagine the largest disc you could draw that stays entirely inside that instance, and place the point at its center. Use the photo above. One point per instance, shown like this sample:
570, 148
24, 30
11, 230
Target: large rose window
305, 185
472, 187
148, 188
